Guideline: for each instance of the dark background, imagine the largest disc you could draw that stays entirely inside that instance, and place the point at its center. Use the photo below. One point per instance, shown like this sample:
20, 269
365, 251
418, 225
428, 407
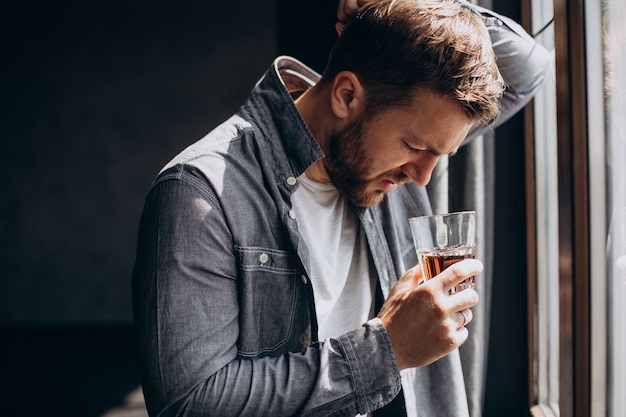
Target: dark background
96, 98
99, 95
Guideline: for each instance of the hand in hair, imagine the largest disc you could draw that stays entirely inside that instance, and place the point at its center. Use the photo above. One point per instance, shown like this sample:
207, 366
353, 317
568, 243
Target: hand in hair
345, 10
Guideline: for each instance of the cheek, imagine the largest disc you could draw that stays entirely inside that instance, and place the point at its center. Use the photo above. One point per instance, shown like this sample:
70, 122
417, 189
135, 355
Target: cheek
384, 161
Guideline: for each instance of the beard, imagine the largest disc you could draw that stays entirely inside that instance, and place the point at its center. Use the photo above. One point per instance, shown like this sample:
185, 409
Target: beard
348, 165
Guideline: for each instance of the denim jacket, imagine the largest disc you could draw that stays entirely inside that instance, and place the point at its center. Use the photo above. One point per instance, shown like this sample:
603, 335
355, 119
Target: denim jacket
223, 306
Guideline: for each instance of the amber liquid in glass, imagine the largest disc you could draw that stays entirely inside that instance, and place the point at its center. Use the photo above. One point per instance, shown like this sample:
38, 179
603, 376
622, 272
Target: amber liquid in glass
434, 262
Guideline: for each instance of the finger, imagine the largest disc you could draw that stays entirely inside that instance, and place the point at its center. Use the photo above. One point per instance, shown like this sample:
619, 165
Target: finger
465, 317
348, 8
459, 272
460, 336
345, 11
339, 27
463, 300
410, 279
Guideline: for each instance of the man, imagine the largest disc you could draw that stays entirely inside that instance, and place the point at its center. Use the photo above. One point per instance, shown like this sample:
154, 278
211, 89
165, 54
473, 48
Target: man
271, 276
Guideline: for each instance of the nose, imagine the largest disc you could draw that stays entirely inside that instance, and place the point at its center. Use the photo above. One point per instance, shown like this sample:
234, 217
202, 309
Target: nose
421, 168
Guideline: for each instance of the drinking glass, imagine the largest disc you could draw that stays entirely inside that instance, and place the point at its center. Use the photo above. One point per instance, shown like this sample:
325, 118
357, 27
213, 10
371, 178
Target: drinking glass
442, 240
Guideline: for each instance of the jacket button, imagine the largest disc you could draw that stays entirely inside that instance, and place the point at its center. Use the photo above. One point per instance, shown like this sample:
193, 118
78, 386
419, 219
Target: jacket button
263, 258
291, 181
292, 214
304, 280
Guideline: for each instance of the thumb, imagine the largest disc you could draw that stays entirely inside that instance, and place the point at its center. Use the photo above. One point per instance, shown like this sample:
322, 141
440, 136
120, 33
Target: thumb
410, 279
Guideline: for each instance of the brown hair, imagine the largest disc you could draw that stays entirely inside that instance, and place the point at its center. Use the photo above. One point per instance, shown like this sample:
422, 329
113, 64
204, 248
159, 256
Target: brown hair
397, 47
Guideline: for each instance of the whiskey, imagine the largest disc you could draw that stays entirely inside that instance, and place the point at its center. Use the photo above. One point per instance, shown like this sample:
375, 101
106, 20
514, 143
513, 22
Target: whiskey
434, 262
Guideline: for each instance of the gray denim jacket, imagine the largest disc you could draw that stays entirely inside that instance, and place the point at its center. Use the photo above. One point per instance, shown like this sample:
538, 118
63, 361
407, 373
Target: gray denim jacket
223, 305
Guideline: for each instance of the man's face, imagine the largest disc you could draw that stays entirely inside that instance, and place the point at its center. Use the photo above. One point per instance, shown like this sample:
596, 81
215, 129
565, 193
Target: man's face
370, 158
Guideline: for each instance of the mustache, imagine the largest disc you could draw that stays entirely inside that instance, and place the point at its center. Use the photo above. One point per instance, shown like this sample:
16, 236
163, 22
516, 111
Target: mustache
398, 177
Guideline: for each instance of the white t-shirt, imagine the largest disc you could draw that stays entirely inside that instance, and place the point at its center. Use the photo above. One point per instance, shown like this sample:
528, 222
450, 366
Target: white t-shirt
342, 274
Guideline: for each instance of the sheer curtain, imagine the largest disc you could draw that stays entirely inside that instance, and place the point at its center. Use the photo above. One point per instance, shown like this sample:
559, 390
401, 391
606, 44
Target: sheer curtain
614, 16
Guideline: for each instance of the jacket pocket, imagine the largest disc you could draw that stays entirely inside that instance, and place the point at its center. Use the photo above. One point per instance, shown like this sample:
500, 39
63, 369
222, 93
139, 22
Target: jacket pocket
273, 307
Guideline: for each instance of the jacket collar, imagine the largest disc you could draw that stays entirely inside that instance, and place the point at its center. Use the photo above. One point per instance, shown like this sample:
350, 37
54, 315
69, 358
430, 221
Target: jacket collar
272, 104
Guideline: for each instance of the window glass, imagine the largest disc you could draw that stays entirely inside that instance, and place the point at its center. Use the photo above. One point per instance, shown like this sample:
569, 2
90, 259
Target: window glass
605, 49
614, 23
547, 313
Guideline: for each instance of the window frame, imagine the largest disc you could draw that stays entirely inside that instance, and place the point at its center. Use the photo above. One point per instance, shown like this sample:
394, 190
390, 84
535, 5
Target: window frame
574, 226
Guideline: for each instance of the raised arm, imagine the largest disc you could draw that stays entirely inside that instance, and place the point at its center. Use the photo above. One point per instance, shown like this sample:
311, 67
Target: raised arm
522, 61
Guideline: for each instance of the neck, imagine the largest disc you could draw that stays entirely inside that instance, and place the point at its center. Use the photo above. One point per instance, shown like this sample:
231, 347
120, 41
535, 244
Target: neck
317, 115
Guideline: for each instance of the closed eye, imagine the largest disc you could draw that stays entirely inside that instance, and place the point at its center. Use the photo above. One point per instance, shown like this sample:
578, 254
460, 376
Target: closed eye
431, 151
411, 149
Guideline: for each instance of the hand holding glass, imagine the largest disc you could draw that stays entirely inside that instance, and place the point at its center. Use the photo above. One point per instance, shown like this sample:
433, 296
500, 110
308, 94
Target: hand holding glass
442, 240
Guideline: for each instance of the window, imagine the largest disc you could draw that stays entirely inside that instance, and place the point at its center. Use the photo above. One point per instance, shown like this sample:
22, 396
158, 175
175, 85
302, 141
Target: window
611, 26
544, 314
577, 293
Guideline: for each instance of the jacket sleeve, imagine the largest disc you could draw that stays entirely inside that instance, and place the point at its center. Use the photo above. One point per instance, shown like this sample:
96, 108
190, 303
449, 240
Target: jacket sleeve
185, 299
522, 61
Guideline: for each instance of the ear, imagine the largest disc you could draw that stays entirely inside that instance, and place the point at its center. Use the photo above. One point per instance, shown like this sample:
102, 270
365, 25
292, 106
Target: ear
347, 96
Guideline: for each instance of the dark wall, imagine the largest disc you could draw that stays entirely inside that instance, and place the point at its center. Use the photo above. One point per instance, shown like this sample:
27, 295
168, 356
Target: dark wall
306, 30
96, 97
